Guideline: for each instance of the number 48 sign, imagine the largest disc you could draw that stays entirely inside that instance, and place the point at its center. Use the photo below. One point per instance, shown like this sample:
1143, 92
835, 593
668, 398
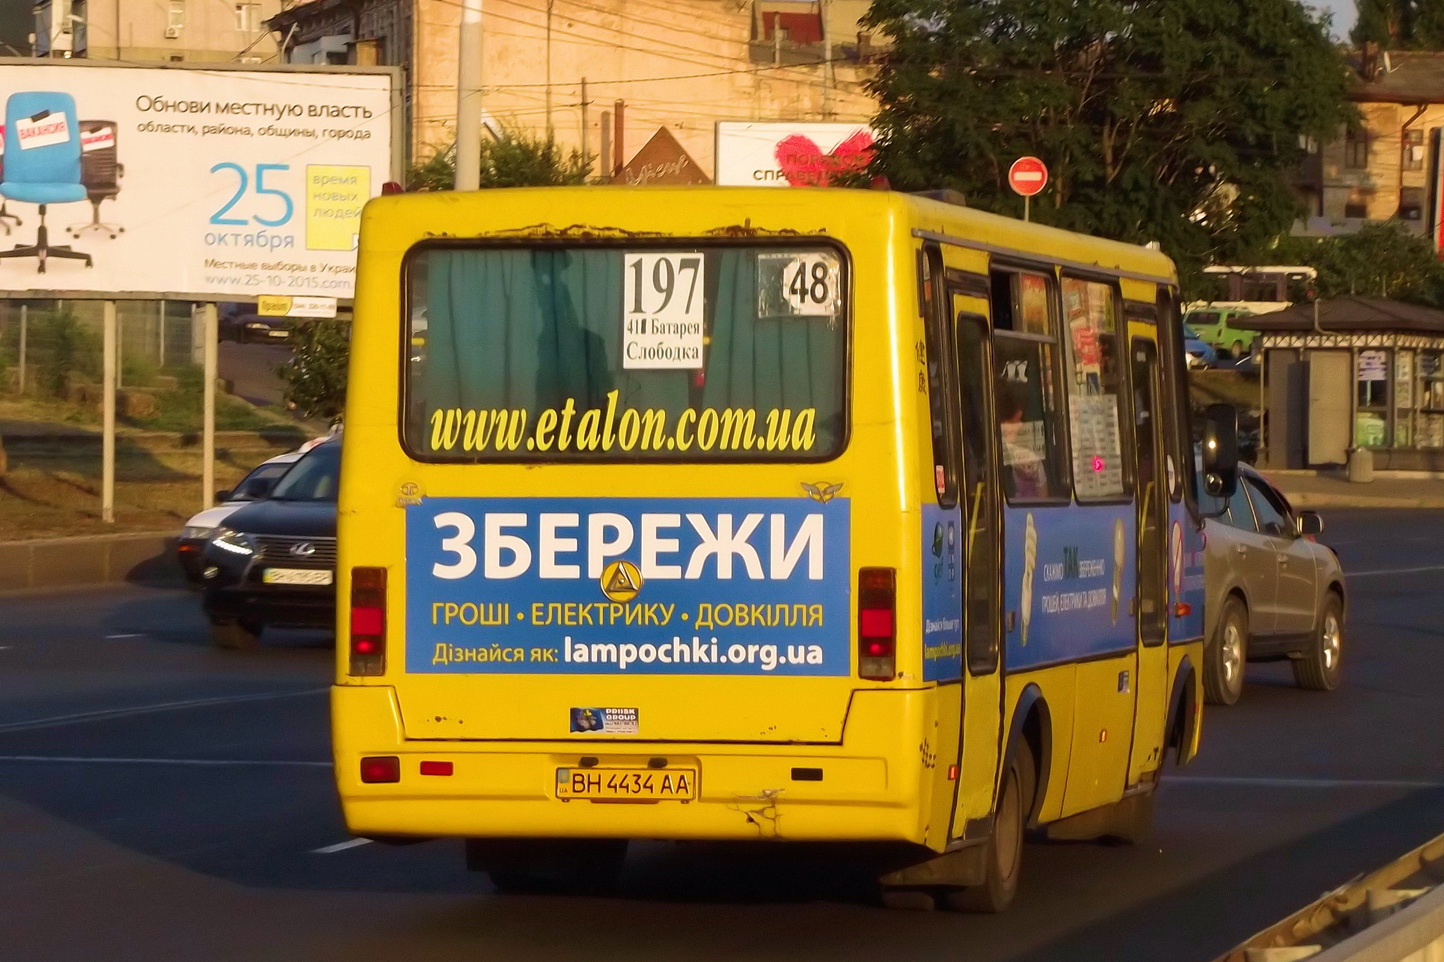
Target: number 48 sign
802, 284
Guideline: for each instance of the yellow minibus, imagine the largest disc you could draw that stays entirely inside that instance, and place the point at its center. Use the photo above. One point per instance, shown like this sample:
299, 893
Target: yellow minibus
761, 514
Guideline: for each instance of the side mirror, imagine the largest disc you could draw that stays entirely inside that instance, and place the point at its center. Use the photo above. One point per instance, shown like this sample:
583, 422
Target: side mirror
1220, 450
222, 497
1310, 523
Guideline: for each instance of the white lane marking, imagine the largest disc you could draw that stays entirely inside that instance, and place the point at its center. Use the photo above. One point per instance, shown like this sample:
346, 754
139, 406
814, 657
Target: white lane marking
119, 637
1267, 782
107, 713
203, 762
341, 846
1391, 571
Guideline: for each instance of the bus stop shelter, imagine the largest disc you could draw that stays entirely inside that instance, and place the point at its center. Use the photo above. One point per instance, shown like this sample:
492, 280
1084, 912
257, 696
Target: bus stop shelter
1352, 372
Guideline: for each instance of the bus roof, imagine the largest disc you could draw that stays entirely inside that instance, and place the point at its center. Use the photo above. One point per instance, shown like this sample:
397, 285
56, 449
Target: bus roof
594, 213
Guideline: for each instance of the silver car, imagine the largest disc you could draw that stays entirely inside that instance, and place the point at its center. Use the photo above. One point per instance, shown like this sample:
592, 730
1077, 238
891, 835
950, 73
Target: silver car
1273, 591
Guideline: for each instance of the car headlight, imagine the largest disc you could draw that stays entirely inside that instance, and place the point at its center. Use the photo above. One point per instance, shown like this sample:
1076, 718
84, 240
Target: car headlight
235, 542
257, 325
196, 532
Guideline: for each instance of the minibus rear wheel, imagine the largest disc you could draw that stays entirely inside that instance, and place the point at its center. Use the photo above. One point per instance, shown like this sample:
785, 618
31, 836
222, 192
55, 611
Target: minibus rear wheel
1004, 854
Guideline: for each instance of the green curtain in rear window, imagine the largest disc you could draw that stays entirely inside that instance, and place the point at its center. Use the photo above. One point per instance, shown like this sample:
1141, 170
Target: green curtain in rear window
528, 329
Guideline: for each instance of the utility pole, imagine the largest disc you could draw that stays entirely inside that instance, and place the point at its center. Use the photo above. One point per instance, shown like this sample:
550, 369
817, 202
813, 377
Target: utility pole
586, 132
827, 76
551, 135
468, 99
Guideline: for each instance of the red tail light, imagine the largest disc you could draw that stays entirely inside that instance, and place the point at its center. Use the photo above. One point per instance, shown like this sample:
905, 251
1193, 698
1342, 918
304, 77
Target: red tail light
368, 621
877, 624
380, 768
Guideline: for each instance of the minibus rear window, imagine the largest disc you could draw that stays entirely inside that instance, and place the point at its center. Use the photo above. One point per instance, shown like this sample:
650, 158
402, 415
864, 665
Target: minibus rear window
636, 352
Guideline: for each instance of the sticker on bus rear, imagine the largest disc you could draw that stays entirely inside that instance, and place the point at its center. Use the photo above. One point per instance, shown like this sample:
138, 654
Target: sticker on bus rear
610, 721
629, 586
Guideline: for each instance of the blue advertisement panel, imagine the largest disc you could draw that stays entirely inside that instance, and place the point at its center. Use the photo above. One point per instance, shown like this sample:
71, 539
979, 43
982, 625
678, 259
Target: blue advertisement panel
942, 593
623, 586
1069, 583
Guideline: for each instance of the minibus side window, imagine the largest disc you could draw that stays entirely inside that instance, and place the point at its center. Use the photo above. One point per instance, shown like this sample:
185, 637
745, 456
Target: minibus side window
1094, 377
1025, 359
944, 417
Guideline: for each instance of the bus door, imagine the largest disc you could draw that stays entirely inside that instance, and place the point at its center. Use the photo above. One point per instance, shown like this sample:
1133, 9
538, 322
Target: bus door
1151, 596
982, 554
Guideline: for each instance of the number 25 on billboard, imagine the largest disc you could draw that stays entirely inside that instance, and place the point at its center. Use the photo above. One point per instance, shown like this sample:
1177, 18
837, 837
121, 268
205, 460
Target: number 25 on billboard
287, 208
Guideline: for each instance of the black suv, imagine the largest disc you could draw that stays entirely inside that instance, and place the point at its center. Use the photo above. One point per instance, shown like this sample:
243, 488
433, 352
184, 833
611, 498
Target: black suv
274, 562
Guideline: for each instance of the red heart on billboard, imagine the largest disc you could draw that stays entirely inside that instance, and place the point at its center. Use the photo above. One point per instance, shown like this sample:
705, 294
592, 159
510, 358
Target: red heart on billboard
805, 165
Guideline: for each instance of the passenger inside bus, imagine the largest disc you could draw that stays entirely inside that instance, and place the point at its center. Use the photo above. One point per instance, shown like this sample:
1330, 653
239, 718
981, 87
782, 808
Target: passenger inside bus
1023, 475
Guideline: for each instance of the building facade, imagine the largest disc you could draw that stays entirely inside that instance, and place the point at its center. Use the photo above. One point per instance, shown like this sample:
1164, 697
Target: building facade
1378, 172
571, 68
157, 31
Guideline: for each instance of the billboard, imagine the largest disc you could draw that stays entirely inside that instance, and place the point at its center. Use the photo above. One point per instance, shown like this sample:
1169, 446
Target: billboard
204, 183
790, 154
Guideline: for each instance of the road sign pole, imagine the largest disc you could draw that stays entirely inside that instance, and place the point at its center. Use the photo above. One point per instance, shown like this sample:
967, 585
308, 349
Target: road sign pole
1027, 208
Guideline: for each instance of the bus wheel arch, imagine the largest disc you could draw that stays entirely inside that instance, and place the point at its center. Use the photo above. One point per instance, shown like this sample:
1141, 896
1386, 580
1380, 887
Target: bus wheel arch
1032, 724
1182, 721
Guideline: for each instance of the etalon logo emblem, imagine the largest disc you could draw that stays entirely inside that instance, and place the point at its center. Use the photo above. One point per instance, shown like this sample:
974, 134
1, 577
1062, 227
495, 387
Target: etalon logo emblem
303, 550
408, 495
621, 581
822, 492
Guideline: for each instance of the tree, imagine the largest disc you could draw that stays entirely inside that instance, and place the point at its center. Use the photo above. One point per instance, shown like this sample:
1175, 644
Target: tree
1382, 260
316, 374
1177, 121
1400, 24
515, 159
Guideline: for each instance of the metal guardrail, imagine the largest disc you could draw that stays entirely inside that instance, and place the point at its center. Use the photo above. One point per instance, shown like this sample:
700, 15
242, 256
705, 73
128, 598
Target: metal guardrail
1393, 914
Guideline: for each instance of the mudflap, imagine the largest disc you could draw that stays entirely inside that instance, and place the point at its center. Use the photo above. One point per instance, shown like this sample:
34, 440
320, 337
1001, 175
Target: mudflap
959, 868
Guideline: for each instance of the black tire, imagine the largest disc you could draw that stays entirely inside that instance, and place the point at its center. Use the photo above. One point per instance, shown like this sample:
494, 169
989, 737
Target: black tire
1226, 655
236, 635
1005, 847
1320, 667
549, 866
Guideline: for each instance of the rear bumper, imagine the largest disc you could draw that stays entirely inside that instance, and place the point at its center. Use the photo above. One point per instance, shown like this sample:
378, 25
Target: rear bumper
870, 789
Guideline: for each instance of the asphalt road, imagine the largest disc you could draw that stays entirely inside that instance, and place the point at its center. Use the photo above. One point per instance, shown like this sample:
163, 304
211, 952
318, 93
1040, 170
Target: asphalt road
161, 800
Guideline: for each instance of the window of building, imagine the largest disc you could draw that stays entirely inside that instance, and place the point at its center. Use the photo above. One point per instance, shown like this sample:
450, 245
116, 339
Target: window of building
176, 18
1403, 399
1356, 149
1371, 424
248, 17
1430, 402
1025, 354
1357, 206
1411, 203
1094, 387
1413, 158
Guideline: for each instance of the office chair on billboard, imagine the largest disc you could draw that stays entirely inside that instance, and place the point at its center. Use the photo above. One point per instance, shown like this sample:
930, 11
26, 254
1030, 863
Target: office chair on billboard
42, 164
99, 172
4, 205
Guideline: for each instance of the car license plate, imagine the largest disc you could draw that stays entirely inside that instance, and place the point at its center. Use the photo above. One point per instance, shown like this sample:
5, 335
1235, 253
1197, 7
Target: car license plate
296, 576
628, 784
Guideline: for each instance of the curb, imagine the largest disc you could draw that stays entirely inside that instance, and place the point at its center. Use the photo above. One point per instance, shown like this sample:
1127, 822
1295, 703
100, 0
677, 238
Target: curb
1316, 501
144, 557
